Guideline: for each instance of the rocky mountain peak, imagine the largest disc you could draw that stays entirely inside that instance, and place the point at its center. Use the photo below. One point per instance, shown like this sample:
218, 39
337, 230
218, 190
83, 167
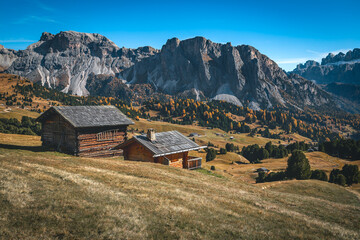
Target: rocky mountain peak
307, 64
46, 36
339, 67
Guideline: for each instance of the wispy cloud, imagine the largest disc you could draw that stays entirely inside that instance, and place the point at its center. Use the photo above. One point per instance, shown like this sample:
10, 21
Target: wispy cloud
17, 41
29, 19
292, 60
314, 55
43, 6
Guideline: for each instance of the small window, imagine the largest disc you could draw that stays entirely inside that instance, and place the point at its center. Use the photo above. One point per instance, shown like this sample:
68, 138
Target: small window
107, 135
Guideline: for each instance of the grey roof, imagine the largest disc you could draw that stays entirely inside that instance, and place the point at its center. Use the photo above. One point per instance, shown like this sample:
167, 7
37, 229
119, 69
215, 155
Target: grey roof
166, 143
90, 116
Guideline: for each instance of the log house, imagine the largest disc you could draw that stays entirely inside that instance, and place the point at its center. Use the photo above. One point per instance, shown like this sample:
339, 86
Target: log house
89, 131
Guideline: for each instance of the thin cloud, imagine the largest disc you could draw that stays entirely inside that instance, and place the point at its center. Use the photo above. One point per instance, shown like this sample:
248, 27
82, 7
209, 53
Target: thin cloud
17, 41
33, 18
41, 5
44, 7
292, 60
320, 55
316, 56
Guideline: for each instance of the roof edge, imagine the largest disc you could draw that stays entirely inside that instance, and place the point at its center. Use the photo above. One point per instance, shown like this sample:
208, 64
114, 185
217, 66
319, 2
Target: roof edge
184, 150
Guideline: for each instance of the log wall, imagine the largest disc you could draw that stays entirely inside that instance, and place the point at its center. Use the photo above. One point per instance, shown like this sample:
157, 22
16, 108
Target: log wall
59, 134
87, 142
98, 142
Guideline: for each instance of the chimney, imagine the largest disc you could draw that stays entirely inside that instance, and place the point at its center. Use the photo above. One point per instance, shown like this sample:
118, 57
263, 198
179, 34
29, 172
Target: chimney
151, 134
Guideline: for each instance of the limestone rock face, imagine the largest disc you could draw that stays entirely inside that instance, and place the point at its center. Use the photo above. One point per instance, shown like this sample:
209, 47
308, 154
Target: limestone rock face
237, 74
65, 60
344, 68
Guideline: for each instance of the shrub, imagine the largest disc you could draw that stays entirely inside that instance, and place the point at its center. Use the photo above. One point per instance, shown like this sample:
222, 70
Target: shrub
319, 175
333, 175
351, 173
212, 168
271, 177
298, 166
261, 177
340, 179
275, 176
210, 155
230, 147
223, 151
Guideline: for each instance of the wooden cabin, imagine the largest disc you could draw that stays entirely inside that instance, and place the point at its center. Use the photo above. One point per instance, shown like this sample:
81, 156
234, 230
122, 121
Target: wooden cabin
91, 131
168, 148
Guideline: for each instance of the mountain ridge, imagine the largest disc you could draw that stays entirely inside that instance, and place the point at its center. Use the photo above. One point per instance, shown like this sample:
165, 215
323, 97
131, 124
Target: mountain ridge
195, 67
344, 68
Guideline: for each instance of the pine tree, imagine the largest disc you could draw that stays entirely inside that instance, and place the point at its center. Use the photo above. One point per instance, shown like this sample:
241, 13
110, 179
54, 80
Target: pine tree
298, 166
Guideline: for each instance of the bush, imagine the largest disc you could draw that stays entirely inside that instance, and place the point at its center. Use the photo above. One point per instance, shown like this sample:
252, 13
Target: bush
261, 177
223, 151
333, 175
254, 153
319, 175
230, 147
212, 168
271, 177
340, 179
298, 166
275, 176
351, 173
210, 155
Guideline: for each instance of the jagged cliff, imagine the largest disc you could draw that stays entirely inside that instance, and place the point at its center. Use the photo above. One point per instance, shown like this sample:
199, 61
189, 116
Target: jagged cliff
344, 68
82, 63
66, 60
238, 74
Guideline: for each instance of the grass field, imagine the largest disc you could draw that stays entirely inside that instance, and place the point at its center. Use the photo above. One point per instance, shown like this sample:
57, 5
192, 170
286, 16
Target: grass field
48, 195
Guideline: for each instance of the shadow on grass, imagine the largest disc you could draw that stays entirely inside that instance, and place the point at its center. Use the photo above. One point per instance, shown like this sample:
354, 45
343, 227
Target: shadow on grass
27, 148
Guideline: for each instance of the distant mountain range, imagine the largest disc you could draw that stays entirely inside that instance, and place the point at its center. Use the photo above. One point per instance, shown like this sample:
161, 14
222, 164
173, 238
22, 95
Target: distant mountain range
343, 68
83, 63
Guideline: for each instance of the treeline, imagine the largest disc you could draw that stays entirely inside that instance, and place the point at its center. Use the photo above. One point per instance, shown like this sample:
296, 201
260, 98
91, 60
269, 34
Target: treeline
220, 114
342, 148
255, 154
27, 126
206, 114
298, 167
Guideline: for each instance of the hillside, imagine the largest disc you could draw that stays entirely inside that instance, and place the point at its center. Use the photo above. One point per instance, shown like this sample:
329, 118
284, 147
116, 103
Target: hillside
53, 195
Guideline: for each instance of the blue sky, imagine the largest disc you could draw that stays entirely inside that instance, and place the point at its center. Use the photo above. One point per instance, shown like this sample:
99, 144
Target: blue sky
288, 32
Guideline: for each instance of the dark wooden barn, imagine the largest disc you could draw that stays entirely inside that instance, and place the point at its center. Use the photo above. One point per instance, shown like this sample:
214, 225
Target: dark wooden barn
91, 131
168, 148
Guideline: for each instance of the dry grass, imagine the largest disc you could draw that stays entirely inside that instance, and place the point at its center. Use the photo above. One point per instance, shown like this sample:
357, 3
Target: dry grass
16, 112
47, 195
7, 83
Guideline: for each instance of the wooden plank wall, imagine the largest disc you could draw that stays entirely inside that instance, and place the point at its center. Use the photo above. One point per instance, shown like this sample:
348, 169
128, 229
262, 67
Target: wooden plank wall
90, 145
138, 152
59, 134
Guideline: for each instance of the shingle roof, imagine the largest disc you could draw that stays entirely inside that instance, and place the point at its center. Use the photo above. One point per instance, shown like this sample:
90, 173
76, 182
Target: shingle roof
166, 143
90, 116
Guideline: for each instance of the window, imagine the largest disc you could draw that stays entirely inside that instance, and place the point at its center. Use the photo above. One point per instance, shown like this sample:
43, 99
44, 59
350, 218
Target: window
107, 135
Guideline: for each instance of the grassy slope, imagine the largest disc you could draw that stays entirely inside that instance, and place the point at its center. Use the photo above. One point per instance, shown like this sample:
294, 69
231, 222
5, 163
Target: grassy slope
7, 83
48, 195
